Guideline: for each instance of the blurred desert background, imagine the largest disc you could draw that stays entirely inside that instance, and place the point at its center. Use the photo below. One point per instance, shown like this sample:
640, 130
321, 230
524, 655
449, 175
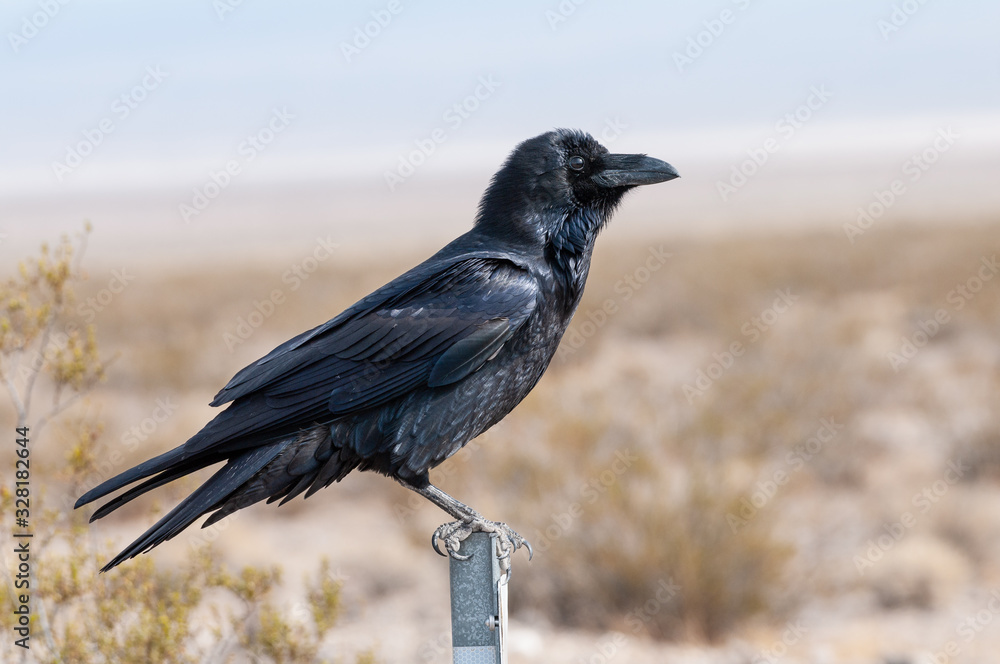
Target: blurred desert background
771, 434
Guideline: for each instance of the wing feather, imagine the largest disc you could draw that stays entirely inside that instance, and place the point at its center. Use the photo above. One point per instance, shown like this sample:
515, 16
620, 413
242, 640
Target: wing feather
428, 330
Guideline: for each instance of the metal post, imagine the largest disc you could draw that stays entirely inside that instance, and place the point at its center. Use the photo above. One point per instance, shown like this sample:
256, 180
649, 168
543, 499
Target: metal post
478, 604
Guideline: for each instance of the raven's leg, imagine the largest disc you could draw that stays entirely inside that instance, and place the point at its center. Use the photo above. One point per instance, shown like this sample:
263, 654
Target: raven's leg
469, 521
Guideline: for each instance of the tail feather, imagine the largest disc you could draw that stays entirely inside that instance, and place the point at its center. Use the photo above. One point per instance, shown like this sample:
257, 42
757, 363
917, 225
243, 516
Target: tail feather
207, 497
166, 476
292, 490
288, 475
150, 467
224, 437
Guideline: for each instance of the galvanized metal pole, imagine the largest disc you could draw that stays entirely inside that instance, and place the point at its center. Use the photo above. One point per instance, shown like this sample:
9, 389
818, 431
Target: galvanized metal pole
478, 604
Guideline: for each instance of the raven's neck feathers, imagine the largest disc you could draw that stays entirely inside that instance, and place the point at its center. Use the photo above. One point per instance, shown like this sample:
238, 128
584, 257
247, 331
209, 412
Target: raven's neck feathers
576, 234
507, 204
570, 247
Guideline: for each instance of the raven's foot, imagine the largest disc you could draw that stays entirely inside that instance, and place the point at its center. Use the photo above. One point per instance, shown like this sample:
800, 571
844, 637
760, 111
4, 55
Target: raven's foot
454, 533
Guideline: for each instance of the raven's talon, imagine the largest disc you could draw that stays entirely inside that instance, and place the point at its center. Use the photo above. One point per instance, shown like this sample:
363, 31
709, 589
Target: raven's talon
434, 545
454, 533
508, 542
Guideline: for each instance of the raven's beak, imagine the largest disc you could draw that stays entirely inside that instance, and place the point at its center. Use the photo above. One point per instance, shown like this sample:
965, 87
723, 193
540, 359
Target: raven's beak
632, 170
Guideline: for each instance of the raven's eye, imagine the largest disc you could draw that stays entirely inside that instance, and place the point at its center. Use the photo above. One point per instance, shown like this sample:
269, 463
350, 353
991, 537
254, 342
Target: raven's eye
577, 162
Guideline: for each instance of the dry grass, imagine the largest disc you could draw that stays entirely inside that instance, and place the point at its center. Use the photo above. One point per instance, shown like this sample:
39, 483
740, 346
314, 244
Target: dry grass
626, 483
824, 360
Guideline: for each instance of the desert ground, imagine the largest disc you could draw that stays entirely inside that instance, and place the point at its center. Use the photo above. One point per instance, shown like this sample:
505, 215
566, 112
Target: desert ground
750, 448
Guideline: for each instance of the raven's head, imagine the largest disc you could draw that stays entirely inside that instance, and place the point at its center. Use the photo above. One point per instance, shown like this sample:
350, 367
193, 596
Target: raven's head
560, 188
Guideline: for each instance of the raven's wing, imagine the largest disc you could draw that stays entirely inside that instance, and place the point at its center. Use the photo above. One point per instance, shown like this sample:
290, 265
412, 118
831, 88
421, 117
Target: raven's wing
429, 328
432, 326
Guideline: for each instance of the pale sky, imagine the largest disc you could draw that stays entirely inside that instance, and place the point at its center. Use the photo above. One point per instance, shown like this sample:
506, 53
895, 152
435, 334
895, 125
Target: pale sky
179, 86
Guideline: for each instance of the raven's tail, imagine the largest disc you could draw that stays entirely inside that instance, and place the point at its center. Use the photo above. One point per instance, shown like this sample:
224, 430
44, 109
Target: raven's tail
171, 461
207, 497
276, 469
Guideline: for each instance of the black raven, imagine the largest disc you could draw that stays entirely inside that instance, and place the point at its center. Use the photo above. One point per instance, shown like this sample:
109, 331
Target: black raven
405, 377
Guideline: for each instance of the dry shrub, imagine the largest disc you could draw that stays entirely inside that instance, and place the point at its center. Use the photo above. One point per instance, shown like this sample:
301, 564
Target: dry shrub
201, 612
639, 531
676, 570
603, 557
